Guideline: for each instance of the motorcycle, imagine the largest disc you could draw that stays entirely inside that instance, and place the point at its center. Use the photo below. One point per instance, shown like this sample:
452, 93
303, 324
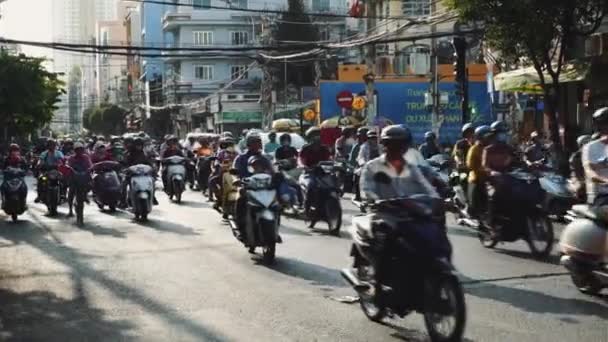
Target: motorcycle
203, 171
14, 192
324, 203
50, 186
344, 175
558, 197
263, 215
80, 184
175, 177
527, 220
441, 164
141, 190
106, 185
584, 248
401, 263
291, 175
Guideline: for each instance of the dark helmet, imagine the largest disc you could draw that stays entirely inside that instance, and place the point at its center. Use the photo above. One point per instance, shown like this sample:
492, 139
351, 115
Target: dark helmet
362, 131
68, 141
285, 137
78, 146
468, 128
482, 131
253, 138
601, 115
312, 131
137, 141
583, 140
396, 133
499, 127
171, 139
272, 135
225, 141
51, 143
429, 135
14, 147
372, 134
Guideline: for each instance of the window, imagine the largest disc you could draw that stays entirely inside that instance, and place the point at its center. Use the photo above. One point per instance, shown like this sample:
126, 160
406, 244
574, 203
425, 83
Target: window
203, 72
324, 35
199, 4
237, 70
203, 38
320, 5
238, 3
240, 38
416, 8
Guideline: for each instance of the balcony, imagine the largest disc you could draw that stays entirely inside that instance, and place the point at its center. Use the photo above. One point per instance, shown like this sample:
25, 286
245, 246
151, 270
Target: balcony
172, 20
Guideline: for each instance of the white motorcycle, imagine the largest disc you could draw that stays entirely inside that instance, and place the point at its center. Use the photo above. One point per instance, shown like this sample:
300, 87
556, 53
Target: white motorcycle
141, 190
584, 244
175, 174
263, 215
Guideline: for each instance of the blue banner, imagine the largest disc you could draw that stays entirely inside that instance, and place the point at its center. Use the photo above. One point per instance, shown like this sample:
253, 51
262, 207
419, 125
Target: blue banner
403, 103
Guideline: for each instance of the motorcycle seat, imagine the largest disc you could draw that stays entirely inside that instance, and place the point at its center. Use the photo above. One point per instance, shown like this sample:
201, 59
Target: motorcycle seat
586, 211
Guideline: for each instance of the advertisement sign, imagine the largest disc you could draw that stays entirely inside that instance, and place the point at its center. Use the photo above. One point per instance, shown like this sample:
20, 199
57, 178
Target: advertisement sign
403, 103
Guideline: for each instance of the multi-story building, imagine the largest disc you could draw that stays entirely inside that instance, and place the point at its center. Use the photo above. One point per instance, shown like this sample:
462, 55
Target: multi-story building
231, 73
111, 70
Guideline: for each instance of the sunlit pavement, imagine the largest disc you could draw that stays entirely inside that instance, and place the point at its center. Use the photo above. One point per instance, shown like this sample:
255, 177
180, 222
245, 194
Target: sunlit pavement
183, 277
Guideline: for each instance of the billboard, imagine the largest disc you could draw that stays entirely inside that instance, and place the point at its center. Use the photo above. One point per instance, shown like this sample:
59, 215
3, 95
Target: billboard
403, 103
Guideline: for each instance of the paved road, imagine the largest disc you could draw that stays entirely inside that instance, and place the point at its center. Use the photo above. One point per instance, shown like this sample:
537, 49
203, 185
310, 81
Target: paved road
183, 277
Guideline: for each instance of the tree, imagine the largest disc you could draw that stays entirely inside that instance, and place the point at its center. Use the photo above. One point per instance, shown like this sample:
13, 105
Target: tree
107, 119
537, 33
28, 93
295, 26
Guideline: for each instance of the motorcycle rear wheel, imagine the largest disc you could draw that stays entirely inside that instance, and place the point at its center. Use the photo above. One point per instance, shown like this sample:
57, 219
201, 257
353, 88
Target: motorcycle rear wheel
14, 217
486, 238
586, 283
447, 290
333, 215
178, 198
533, 225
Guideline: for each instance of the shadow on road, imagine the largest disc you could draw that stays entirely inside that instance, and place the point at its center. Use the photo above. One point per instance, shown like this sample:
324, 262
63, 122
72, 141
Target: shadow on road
168, 227
42, 316
40, 236
96, 229
536, 302
316, 274
552, 259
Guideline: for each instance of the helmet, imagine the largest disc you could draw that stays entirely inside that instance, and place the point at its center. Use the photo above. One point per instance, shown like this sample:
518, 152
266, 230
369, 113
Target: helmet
51, 142
100, 146
258, 164
595, 136
583, 140
372, 134
14, 147
482, 131
101, 137
362, 131
312, 131
227, 134
226, 141
68, 141
429, 135
396, 133
272, 135
138, 141
253, 138
499, 126
285, 137
170, 139
601, 115
78, 145
468, 127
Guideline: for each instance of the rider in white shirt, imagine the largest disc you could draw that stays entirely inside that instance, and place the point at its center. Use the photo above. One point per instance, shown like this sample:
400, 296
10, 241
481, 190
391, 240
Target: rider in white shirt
595, 161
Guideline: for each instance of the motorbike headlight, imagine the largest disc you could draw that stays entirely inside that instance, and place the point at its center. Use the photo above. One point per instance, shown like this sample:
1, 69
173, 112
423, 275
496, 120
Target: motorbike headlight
44, 178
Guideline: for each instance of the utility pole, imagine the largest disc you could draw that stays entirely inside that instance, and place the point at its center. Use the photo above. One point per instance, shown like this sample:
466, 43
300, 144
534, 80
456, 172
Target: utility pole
436, 119
370, 61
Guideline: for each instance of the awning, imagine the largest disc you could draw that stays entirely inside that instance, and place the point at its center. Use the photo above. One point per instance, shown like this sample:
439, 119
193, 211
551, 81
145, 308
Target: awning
526, 80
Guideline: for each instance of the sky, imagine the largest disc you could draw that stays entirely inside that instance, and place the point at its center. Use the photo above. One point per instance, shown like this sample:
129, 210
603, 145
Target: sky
28, 20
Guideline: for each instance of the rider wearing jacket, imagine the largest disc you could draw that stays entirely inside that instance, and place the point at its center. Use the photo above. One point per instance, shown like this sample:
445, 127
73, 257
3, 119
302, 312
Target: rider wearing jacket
14, 158
135, 156
476, 192
461, 148
311, 155
595, 163
430, 147
51, 158
577, 177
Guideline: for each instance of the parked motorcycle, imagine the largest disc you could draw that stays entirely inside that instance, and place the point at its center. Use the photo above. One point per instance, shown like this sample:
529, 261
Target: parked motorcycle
141, 190
401, 263
263, 215
585, 251
519, 215
323, 197
175, 177
203, 171
14, 192
50, 186
106, 185
79, 187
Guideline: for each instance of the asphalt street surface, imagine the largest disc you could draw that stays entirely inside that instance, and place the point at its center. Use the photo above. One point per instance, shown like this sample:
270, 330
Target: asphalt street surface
183, 277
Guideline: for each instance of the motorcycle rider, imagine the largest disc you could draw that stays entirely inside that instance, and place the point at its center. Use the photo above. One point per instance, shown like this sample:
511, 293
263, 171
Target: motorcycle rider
271, 146
172, 149
225, 157
49, 159
67, 147
535, 154
135, 156
352, 160
595, 164
286, 151
429, 148
497, 159
311, 155
101, 154
369, 150
14, 158
462, 146
80, 162
577, 176
254, 148
476, 191
344, 143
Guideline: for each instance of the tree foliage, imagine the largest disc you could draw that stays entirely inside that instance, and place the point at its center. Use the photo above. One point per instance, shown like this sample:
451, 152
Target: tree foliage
107, 119
28, 93
537, 33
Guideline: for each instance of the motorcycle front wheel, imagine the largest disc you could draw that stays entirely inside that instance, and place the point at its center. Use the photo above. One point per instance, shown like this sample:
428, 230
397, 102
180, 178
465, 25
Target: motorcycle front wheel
333, 215
368, 297
485, 237
445, 312
14, 217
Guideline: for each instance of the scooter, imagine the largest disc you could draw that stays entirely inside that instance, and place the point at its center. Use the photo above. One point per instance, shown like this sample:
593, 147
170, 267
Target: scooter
325, 201
585, 249
203, 171
401, 263
263, 215
291, 174
14, 192
175, 177
106, 185
50, 185
519, 215
141, 190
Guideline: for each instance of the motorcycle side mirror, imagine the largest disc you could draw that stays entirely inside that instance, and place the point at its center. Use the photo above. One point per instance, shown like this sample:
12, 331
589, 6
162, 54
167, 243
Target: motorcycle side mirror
382, 178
